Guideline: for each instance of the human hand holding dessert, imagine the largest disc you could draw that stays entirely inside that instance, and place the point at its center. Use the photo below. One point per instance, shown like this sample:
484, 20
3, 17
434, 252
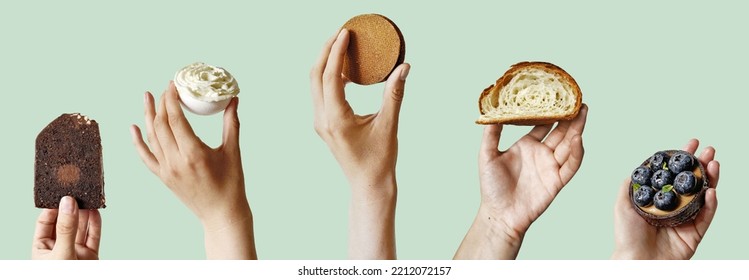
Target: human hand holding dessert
364, 146
209, 181
642, 236
519, 184
67, 233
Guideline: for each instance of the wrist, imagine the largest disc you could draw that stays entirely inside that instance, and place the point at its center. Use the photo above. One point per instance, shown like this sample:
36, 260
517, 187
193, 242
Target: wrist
372, 216
490, 238
381, 187
499, 232
624, 254
502, 228
228, 216
231, 237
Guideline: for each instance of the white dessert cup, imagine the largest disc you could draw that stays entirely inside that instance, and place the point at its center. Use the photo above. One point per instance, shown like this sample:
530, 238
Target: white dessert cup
200, 107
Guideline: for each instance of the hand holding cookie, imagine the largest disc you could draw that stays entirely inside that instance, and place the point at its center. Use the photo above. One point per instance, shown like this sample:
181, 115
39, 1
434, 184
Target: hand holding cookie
364, 146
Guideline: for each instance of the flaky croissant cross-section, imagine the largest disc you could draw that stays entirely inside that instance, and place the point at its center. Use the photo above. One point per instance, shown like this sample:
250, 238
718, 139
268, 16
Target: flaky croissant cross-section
530, 93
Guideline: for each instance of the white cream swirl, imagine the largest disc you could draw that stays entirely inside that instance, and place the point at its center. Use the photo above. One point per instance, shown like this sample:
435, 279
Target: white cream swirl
206, 82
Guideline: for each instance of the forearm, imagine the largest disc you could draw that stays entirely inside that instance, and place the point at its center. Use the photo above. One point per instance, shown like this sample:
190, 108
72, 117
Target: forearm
488, 238
372, 219
231, 236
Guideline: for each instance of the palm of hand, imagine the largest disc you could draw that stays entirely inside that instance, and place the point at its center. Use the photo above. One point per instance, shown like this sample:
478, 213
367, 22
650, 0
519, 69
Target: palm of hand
208, 168
81, 252
521, 182
362, 146
67, 237
518, 185
660, 242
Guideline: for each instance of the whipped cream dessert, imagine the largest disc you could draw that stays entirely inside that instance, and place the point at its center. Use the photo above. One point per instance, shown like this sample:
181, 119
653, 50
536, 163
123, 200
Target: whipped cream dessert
205, 89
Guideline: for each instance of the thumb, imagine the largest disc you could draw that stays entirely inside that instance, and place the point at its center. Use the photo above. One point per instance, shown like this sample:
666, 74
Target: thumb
231, 124
67, 227
393, 95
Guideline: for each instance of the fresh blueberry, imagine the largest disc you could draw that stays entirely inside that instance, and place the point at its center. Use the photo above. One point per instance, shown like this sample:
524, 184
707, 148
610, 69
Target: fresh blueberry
641, 175
644, 196
661, 178
657, 161
685, 183
681, 161
666, 201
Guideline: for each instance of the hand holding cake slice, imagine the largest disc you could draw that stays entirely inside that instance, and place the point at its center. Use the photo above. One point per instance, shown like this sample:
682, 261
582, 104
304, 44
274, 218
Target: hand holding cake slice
69, 162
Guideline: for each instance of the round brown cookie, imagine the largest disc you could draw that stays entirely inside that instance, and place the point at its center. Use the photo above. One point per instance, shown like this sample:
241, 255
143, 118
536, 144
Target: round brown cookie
376, 47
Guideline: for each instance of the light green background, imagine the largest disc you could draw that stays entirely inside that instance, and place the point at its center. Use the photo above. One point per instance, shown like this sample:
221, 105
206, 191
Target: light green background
640, 64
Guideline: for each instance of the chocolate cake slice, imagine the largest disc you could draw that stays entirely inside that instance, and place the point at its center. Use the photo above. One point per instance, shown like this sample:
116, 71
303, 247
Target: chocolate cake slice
69, 162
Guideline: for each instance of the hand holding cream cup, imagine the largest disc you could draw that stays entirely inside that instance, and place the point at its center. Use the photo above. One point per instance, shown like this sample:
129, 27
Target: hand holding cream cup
205, 89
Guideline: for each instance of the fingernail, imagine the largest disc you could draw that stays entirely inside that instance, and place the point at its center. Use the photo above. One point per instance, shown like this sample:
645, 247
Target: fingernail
145, 98
404, 72
66, 205
340, 34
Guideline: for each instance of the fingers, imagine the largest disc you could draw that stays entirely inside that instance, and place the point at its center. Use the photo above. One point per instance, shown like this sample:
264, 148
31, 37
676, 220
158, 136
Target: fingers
67, 225
393, 95
540, 131
567, 129
577, 126
713, 173
560, 139
573, 159
231, 125
183, 134
490, 141
316, 75
145, 154
45, 225
691, 146
712, 166
334, 98
705, 217
707, 155
707, 159
164, 132
80, 237
93, 233
150, 115
89, 229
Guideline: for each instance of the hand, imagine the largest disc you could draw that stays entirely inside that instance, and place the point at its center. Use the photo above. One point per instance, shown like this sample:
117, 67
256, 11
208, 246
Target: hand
518, 185
67, 233
636, 239
366, 148
210, 181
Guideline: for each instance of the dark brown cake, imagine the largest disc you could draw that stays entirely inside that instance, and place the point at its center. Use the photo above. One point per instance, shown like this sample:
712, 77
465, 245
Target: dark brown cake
69, 162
